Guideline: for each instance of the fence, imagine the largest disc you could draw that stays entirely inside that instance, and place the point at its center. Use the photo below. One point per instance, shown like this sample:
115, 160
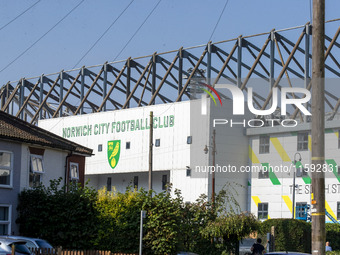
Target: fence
60, 251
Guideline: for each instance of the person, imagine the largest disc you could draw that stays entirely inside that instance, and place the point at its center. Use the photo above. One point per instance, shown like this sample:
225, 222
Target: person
328, 247
257, 248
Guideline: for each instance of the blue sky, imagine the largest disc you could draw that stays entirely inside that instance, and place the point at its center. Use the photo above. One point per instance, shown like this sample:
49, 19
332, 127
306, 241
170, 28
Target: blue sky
173, 24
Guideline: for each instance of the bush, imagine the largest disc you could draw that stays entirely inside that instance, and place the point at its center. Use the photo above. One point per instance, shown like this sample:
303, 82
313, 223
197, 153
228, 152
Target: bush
290, 234
230, 229
82, 218
119, 220
63, 218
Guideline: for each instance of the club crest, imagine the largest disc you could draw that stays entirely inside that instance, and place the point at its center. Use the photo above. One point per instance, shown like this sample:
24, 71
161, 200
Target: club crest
113, 152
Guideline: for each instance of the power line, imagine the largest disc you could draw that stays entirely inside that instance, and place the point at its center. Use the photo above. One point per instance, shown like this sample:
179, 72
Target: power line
21, 54
137, 30
103, 34
218, 21
98, 41
310, 11
19, 15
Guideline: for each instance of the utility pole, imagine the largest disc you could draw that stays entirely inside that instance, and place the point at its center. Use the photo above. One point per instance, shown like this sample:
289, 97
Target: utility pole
293, 207
318, 127
213, 153
150, 150
214, 164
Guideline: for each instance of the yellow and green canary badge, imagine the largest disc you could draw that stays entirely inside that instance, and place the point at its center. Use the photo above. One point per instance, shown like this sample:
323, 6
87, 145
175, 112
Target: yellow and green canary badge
113, 152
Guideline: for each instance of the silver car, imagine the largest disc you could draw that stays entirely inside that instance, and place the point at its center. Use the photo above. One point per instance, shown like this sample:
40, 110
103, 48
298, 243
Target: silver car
7, 243
286, 253
32, 242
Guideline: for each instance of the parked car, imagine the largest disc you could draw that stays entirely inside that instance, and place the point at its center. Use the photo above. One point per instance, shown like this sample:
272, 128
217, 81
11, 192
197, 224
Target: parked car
32, 242
286, 253
20, 247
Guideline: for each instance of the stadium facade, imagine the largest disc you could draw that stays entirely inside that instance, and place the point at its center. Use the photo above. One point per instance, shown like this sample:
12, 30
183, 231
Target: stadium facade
258, 164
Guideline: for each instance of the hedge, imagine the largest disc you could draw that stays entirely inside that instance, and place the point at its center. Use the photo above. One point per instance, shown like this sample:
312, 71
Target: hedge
290, 235
295, 235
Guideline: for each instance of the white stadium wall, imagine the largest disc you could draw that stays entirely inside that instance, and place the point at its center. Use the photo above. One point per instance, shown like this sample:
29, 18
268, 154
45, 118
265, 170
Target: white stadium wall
174, 124
277, 189
171, 127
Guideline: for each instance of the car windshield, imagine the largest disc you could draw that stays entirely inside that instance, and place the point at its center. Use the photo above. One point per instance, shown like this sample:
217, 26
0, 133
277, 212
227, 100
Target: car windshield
21, 248
43, 244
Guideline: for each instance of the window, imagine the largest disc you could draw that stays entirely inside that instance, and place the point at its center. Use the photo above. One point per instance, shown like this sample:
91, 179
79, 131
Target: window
36, 170
5, 219
188, 171
301, 172
262, 213
264, 173
164, 181
135, 182
37, 164
158, 142
302, 141
300, 210
127, 145
108, 184
189, 139
264, 144
100, 147
6, 168
338, 210
339, 171
74, 171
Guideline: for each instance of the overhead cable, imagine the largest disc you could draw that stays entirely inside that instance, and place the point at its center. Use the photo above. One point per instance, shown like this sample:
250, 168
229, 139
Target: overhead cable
137, 30
41, 37
87, 52
19, 15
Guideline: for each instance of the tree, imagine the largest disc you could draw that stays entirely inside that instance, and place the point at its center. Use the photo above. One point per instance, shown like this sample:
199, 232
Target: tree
63, 218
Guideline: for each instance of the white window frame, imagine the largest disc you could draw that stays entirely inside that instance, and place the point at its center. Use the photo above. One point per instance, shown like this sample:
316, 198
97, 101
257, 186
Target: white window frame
302, 145
42, 164
262, 211
264, 144
71, 175
34, 172
10, 168
9, 221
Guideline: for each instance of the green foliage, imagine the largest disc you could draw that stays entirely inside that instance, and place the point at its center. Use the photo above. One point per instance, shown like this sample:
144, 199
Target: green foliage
119, 220
229, 229
195, 217
86, 219
63, 218
333, 252
333, 235
163, 223
290, 234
